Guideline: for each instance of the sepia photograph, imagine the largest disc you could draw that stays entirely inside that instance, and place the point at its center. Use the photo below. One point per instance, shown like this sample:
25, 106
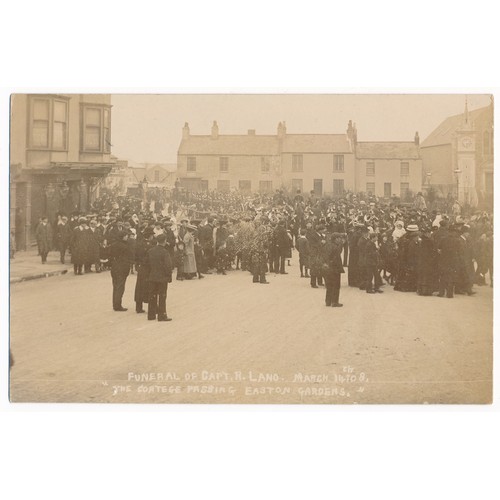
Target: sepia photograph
143, 227
248, 250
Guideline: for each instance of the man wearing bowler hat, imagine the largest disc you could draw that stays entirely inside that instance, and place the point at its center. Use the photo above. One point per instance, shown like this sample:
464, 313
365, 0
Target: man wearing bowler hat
121, 259
160, 275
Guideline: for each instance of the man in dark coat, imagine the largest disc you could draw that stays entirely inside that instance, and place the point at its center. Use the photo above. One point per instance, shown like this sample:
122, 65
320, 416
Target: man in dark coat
465, 278
302, 246
221, 235
372, 263
362, 241
427, 264
93, 256
119, 254
438, 236
141, 293
63, 237
44, 238
273, 249
282, 242
316, 240
171, 240
79, 246
353, 277
449, 262
114, 228
259, 252
206, 238
332, 268
408, 255
160, 275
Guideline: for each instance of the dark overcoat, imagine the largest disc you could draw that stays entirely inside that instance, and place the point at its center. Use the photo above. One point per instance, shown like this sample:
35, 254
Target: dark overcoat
79, 246
44, 237
141, 293
160, 265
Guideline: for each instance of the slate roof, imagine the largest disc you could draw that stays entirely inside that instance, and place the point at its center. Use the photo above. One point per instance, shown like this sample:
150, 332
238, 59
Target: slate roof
444, 132
387, 150
316, 143
264, 145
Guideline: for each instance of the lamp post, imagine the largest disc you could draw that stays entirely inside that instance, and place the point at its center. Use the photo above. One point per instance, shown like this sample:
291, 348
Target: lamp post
457, 172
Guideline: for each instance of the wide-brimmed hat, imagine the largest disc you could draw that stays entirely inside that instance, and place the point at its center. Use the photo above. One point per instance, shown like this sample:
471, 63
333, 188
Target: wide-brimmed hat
193, 228
412, 228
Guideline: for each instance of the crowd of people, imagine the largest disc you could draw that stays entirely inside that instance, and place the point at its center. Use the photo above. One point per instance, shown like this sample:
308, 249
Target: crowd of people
408, 247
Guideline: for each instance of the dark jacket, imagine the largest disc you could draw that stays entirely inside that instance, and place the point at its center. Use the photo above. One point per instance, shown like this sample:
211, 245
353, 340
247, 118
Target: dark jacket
141, 293
206, 236
371, 254
94, 240
44, 237
282, 240
362, 251
63, 234
121, 257
79, 245
171, 241
332, 263
221, 235
449, 254
302, 245
160, 265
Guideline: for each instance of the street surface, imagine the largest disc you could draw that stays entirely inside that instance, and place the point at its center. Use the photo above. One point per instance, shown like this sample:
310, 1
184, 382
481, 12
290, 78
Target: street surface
232, 341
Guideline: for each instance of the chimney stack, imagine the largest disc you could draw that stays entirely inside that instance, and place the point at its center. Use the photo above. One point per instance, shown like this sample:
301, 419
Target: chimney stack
281, 130
185, 131
352, 133
251, 131
215, 130
417, 139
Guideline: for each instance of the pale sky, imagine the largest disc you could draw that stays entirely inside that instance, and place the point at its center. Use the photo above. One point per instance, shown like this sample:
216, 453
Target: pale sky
148, 128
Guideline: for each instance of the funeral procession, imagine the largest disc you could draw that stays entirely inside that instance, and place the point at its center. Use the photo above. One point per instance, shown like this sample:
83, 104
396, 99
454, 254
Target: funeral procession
140, 244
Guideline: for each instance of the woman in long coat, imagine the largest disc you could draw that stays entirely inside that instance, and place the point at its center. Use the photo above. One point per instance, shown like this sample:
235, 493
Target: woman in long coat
189, 263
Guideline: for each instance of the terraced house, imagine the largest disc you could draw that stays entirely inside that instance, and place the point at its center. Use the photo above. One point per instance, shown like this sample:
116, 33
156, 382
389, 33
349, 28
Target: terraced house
327, 164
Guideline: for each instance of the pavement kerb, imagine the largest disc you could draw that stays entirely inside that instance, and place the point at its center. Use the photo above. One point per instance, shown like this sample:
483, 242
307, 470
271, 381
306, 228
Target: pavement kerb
18, 279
